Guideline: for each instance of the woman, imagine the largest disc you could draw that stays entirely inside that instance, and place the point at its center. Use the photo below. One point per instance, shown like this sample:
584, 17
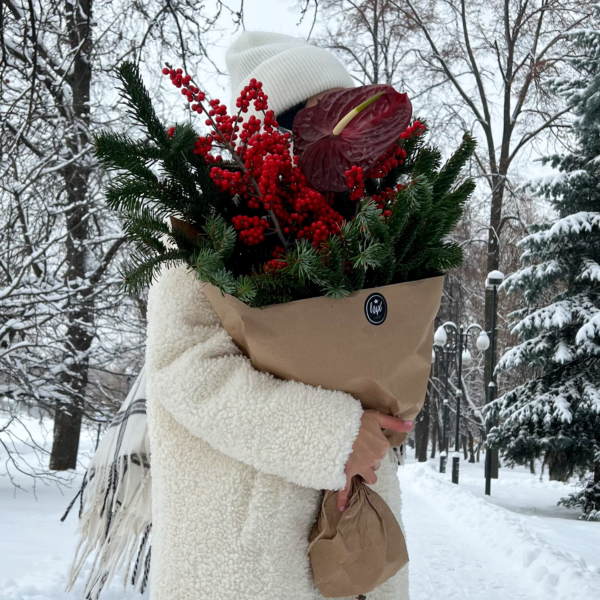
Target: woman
239, 457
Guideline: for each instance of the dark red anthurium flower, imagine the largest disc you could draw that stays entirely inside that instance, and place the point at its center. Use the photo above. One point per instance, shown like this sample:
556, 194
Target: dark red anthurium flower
352, 127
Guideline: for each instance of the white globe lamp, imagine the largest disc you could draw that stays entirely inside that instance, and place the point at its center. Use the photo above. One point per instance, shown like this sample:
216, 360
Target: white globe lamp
440, 337
494, 278
467, 359
483, 341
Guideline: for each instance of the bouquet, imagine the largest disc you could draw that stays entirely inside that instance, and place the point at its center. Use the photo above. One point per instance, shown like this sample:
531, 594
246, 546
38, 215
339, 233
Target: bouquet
323, 252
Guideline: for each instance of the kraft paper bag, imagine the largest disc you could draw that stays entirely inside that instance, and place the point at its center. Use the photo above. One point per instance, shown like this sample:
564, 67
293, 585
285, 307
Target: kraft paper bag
375, 344
355, 551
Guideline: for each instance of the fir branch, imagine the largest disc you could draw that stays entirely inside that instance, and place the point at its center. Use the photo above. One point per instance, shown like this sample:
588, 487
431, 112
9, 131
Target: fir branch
138, 101
451, 170
140, 270
118, 151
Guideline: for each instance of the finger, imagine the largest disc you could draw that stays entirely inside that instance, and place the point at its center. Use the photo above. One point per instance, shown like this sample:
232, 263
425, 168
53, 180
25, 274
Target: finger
393, 423
342, 497
369, 476
376, 466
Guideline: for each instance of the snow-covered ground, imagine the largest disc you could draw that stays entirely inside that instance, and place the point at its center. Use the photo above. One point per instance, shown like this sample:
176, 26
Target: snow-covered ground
515, 545
35, 547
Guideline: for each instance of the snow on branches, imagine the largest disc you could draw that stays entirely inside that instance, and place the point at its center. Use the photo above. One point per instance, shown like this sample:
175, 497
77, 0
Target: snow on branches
555, 414
571, 225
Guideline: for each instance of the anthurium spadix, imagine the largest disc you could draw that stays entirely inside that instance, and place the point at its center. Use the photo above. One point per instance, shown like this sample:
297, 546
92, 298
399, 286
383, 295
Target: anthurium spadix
352, 127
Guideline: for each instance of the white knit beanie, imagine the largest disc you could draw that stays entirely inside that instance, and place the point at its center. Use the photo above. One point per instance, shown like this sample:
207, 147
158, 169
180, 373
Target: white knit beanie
291, 69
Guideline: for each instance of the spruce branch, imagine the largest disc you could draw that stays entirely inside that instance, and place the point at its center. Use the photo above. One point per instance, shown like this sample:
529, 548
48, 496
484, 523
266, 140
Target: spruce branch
136, 97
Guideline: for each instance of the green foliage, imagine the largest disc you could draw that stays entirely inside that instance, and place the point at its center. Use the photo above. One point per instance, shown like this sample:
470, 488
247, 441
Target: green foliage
161, 177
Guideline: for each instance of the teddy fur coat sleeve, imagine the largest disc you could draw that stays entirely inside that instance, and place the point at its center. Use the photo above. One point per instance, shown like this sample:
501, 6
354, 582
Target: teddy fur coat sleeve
284, 428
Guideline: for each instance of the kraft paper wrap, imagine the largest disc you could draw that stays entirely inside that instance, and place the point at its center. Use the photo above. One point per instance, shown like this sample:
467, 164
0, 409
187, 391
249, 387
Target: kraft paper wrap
332, 344
354, 552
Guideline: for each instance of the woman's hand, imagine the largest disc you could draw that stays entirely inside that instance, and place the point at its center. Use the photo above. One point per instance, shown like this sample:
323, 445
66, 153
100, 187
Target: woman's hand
370, 447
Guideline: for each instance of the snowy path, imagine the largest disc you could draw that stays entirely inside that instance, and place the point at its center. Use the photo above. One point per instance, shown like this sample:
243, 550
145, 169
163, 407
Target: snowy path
445, 563
465, 547
515, 545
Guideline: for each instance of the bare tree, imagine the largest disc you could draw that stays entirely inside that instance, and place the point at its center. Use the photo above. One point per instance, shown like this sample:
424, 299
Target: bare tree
489, 62
369, 35
67, 332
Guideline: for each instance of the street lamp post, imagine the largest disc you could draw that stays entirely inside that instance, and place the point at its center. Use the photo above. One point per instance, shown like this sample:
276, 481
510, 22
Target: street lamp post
464, 357
456, 457
494, 279
439, 340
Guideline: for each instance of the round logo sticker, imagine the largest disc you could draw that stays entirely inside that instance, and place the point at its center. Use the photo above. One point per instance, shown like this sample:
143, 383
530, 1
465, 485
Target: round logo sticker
376, 309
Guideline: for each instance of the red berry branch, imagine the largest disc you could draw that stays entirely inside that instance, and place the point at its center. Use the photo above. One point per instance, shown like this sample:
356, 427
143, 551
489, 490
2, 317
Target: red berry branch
225, 130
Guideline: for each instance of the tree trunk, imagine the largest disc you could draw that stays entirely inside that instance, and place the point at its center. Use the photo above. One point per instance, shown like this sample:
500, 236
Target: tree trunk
422, 431
471, 448
79, 333
559, 468
433, 438
464, 445
558, 473
417, 439
66, 440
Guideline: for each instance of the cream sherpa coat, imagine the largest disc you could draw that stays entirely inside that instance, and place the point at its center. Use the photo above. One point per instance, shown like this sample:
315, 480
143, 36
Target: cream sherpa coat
238, 459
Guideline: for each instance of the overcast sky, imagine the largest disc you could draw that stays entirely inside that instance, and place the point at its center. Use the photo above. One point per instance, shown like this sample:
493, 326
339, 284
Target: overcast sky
280, 16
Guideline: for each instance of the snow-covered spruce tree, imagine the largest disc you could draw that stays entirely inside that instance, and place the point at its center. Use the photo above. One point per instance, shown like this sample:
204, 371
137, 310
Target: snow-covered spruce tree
555, 414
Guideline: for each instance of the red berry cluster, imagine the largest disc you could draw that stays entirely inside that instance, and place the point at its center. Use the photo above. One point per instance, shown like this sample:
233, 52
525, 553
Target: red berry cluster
251, 228
224, 126
171, 132
203, 145
386, 198
356, 183
178, 79
275, 184
415, 130
396, 154
228, 181
318, 232
276, 263
393, 157
252, 93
